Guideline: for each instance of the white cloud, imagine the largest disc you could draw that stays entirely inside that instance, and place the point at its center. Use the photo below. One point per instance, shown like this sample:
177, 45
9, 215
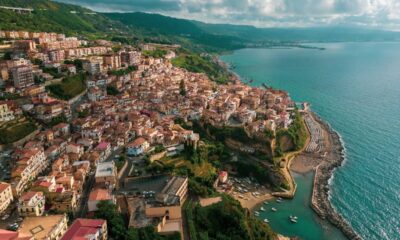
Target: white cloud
265, 13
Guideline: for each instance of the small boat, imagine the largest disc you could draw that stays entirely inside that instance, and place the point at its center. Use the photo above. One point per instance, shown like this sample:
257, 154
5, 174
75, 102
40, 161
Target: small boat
274, 209
262, 209
266, 203
256, 212
266, 220
279, 200
293, 220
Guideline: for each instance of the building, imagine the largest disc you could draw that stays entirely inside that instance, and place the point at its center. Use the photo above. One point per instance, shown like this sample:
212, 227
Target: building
112, 61
31, 204
223, 177
178, 187
167, 207
10, 235
30, 162
88, 229
131, 58
24, 45
50, 227
137, 147
22, 76
98, 195
106, 175
6, 196
6, 114
93, 66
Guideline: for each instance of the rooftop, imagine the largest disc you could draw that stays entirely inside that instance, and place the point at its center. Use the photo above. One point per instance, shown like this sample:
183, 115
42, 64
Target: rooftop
82, 228
40, 227
105, 169
99, 194
174, 185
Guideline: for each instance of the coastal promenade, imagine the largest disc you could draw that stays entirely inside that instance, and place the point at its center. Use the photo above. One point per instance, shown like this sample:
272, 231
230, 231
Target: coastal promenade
326, 163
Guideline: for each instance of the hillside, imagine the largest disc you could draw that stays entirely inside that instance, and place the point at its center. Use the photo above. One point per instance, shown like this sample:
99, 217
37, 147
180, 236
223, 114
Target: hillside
159, 28
56, 17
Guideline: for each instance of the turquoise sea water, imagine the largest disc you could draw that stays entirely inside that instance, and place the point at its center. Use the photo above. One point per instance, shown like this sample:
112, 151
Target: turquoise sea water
356, 88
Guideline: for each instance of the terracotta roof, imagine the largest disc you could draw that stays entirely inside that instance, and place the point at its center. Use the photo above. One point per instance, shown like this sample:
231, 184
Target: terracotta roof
29, 195
137, 142
3, 186
81, 228
99, 194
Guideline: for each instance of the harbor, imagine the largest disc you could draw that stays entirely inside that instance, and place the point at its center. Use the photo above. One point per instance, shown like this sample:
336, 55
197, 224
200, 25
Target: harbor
308, 224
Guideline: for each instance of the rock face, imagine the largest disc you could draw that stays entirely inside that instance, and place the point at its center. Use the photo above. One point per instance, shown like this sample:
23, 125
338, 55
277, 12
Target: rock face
320, 196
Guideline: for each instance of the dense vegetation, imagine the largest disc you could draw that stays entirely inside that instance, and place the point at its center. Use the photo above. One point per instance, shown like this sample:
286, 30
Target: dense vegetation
225, 220
57, 17
69, 87
297, 133
221, 134
124, 71
14, 133
158, 53
201, 64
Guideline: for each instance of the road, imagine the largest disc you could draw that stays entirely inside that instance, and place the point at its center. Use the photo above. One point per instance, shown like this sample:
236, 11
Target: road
82, 205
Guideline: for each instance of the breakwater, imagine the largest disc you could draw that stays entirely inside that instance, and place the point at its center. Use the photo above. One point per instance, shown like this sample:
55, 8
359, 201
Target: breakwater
320, 195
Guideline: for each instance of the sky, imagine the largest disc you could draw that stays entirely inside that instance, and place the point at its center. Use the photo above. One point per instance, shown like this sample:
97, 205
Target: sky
383, 14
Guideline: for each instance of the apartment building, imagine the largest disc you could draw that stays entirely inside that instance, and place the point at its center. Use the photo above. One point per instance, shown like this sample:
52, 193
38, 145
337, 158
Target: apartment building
50, 227
6, 196
22, 76
6, 114
81, 228
31, 204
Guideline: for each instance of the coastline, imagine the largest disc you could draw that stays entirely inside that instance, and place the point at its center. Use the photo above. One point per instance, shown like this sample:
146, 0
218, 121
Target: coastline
324, 170
320, 202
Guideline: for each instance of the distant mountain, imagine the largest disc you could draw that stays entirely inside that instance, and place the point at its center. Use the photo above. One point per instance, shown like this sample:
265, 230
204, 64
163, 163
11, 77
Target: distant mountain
194, 35
314, 34
162, 28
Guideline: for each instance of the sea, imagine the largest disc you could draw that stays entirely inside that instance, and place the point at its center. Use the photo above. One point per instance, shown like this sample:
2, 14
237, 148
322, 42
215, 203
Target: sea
355, 87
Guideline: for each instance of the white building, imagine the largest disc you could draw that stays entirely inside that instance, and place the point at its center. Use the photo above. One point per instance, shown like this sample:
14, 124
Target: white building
6, 196
31, 204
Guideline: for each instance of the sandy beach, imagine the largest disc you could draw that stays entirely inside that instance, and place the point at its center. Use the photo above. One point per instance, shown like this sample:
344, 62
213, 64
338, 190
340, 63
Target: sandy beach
252, 202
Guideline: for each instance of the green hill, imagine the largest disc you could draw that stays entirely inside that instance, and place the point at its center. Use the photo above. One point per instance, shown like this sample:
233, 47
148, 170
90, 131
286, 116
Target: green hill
163, 29
56, 17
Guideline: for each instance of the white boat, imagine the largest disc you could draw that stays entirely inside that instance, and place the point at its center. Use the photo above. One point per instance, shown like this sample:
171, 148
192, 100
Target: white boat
274, 209
266, 220
256, 212
266, 203
279, 200
293, 220
262, 209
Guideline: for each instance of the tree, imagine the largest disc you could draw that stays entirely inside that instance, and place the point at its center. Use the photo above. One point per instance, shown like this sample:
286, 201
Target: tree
115, 222
182, 88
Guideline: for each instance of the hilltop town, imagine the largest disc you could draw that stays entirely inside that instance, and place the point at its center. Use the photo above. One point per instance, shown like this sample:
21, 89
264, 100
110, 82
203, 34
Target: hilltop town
89, 126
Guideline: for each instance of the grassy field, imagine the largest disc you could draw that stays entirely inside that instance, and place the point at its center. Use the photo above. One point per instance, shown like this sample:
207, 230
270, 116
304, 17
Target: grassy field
16, 132
69, 87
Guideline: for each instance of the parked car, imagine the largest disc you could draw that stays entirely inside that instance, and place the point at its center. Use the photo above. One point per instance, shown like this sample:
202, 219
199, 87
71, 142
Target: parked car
5, 217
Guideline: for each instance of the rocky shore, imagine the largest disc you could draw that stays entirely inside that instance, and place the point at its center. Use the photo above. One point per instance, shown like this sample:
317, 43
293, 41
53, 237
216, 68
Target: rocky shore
320, 195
